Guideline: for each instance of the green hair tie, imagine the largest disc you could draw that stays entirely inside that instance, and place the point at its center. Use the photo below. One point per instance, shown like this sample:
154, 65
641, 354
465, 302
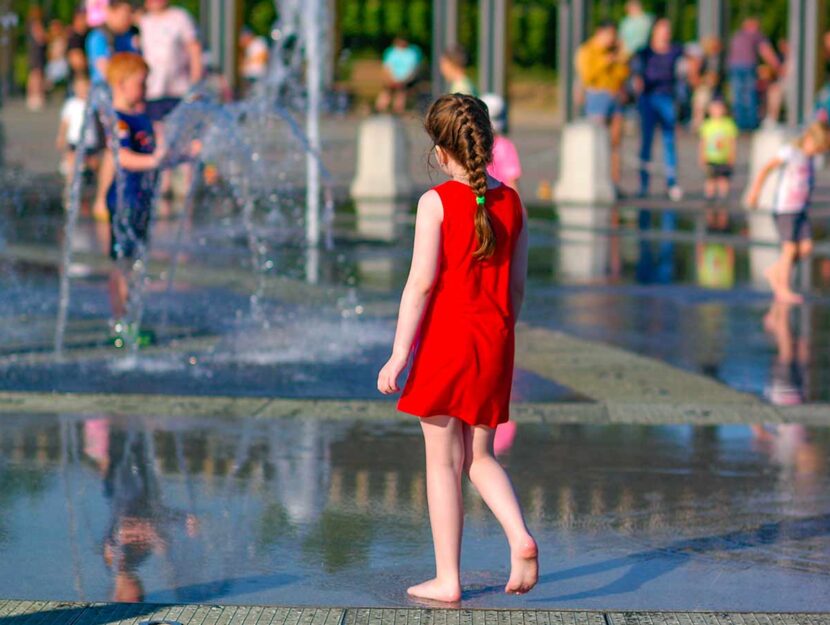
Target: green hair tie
481, 200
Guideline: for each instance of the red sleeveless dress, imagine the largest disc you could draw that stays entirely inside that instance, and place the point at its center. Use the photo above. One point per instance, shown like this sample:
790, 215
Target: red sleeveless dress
463, 359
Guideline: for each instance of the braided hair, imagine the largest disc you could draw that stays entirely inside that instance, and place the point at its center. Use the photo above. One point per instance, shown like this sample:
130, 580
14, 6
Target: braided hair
460, 125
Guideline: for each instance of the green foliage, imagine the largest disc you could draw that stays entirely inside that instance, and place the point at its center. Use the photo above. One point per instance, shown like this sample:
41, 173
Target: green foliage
260, 16
369, 25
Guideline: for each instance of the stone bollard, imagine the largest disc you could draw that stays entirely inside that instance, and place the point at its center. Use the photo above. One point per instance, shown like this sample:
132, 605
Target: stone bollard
584, 164
765, 145
382, 160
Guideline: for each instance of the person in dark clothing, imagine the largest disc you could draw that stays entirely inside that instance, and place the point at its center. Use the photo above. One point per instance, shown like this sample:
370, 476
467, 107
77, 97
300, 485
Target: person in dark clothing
655, 82
76, 46
746, 46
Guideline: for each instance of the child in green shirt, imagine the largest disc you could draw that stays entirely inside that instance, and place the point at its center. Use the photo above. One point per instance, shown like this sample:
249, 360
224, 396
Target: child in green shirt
717, 153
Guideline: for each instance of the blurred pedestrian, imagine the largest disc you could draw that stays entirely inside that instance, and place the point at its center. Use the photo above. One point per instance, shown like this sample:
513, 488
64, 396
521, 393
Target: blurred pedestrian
453, 67
116, 34
655, 82
778, 85
76, 44
171, 47
96, 12
57, 67
70, 139
401, 62
710, 78
797, 165
717, 153
601, 63
746, 46
254, 55
505, 166
36, 42
635, 27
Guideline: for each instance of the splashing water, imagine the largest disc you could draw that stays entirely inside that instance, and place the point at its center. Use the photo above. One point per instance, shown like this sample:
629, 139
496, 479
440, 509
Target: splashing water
245, 141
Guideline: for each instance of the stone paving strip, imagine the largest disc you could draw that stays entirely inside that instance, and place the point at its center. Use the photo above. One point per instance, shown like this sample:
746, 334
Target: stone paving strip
623, 388
58, 613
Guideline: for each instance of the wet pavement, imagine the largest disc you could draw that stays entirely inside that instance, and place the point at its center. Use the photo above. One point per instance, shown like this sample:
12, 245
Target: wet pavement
309, 512
686, 298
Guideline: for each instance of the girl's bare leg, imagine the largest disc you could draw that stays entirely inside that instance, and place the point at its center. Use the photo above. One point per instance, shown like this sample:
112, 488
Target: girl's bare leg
493, 484
445, 460
615, 129
779, 275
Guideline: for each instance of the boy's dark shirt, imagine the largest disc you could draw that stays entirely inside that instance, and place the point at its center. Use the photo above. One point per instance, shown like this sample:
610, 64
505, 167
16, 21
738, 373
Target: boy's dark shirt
135, 132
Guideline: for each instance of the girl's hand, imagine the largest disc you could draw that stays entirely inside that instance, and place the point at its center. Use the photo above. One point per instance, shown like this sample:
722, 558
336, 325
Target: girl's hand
388, 376
752, 200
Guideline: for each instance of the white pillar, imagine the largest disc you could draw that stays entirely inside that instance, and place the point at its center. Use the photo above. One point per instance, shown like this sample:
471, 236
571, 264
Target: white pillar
584, 164
382, 160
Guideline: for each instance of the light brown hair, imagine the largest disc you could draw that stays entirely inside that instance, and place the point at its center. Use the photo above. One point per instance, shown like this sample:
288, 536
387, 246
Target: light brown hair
123, 65
820, 134
460, 125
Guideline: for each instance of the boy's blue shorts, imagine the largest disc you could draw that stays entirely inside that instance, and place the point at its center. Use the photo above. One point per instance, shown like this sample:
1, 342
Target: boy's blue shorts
132, 229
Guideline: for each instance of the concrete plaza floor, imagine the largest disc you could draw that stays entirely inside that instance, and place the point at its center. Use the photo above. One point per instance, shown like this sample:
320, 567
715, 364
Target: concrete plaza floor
652, 483
53, 613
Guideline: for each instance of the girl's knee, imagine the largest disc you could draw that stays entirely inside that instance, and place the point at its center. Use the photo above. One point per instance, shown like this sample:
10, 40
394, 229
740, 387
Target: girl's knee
805, 248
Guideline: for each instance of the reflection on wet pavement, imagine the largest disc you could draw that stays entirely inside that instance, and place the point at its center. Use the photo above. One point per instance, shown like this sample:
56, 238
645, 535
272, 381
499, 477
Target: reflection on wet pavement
658, 286
314, 512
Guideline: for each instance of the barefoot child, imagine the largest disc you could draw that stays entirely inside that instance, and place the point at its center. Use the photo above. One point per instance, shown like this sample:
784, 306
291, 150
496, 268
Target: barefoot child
460, 304
717, 153
796, 163
140, 158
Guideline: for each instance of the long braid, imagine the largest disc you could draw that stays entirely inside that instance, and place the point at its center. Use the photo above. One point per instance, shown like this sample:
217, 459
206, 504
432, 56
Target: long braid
460, 125
478, 140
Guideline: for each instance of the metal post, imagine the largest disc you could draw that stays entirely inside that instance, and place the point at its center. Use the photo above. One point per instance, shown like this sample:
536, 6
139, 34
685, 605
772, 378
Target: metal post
572, 32
221, 21
444, 35
806, 21
493, 46
712, 19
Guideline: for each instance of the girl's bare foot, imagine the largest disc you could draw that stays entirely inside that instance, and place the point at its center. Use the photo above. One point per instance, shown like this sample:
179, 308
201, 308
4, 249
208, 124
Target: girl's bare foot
524, 567
436, 590
788, 297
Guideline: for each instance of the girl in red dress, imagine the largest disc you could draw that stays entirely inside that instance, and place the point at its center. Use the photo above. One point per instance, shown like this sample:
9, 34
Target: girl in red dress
457, 316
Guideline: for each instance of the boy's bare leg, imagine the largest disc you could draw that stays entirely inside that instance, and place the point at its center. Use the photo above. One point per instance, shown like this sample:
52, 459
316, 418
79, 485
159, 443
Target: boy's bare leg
780, 273
119, 292
615, 130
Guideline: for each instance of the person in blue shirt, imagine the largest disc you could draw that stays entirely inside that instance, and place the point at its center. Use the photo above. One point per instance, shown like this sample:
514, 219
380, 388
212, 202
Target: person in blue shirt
401, 62
115, 35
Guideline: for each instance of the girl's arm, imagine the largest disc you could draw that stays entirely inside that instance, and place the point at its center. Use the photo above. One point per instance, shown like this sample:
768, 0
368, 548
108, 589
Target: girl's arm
60, 141
418, 288
758, 184
518, 269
